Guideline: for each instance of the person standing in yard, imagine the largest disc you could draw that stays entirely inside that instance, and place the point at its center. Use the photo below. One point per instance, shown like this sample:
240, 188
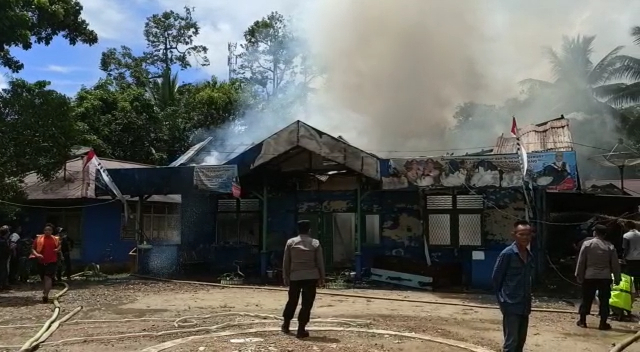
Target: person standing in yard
512, 282
46, 248
14, 261
597, 263
66, 245
5, 256
302, 271
631, 250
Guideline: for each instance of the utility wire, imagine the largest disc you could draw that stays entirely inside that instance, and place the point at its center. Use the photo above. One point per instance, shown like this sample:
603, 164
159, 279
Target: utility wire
59, 207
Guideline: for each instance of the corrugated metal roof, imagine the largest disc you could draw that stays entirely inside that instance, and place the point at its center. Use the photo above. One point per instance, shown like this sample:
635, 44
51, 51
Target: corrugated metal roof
631, 186
552, 135
67, 184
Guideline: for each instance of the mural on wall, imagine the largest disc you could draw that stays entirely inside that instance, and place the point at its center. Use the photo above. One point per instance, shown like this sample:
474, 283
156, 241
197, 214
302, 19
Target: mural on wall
552, 170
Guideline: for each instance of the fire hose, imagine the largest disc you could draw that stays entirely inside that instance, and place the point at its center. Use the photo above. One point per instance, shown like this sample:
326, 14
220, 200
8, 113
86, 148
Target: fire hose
52, 325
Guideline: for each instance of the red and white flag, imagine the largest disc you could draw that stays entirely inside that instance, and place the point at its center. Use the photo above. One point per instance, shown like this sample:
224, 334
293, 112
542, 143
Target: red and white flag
522, 152
236, 191
104, 175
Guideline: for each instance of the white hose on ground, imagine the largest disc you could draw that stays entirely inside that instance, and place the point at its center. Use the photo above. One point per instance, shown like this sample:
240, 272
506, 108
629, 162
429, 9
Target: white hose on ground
463, 345
275, 319
626, 343
49, 326
352, 295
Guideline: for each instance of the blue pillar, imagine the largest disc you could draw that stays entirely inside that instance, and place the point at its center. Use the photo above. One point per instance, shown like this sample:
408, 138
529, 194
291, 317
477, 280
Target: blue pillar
264, 256
358, 239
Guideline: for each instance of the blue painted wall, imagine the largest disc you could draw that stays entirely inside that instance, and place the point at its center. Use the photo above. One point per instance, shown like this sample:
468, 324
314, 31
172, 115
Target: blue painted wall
101, 228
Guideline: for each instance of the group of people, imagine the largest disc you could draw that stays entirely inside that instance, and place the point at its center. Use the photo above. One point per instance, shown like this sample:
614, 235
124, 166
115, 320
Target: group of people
21, 254
599, 271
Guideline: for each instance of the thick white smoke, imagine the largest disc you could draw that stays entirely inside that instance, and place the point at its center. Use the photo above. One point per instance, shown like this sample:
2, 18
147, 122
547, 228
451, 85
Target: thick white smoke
397, 69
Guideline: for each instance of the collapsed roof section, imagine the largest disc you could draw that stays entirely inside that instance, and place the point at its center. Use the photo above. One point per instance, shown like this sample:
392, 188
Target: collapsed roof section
301, 135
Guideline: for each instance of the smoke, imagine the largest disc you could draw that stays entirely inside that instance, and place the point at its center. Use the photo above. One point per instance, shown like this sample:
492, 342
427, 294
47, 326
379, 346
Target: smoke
396, 70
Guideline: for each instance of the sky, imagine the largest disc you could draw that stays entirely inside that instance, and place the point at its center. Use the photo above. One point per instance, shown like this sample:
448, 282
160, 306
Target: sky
120, 22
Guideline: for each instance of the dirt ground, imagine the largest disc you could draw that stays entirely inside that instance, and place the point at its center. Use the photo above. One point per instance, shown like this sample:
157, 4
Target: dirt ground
162, 303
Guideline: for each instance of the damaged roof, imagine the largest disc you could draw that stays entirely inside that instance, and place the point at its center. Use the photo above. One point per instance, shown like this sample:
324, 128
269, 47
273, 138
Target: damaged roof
553, 135
302, 135
68, 183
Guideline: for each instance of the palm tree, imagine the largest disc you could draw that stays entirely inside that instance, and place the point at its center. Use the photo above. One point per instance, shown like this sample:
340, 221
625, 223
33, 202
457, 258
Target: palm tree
578, 84
627, 93
164, 90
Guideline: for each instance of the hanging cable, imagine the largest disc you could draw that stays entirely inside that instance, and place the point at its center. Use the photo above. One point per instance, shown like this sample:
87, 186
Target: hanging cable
57, 207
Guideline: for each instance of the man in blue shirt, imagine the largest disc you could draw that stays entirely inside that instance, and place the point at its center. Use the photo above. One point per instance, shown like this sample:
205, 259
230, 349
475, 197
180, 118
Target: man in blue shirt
512, 282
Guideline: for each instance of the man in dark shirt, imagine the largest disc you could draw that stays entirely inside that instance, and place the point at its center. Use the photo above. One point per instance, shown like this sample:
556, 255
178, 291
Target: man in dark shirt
512, 282
66, 245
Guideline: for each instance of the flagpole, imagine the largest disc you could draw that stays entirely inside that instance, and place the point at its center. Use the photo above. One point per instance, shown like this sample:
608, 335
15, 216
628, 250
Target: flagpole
515, 131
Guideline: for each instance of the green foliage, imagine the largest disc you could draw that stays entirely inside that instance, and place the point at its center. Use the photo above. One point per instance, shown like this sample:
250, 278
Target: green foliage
170, 37
38, 131
24, 22
274, 61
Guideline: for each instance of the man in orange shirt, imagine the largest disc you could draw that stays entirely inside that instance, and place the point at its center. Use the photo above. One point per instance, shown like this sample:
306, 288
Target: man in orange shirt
46, 248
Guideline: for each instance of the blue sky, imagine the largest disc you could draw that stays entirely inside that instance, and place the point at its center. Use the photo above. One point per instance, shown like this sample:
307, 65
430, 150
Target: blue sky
120, 22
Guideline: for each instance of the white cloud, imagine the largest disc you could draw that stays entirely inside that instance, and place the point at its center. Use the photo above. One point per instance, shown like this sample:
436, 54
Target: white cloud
112, 19
61, 69
3, 81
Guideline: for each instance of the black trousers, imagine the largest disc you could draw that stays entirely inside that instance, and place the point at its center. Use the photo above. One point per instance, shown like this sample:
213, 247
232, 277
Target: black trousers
14, 269
514, 327
66, 256
633, 270
589, 288
306, 289
4, 272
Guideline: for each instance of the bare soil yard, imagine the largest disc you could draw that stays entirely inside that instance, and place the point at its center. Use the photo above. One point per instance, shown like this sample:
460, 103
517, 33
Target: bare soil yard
163, 303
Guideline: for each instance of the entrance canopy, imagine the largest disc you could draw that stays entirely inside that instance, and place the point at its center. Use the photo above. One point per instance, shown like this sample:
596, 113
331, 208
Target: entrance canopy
300, 135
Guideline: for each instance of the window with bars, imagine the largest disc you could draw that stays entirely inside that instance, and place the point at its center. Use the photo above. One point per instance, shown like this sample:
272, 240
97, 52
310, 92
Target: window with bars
238, 221
459, 215
161, 222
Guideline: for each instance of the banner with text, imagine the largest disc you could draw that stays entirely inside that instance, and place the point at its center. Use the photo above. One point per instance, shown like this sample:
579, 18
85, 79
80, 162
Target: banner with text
551, 170
218, 178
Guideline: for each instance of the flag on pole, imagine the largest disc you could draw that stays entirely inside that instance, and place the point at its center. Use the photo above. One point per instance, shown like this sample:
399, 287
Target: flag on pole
522, 155
104, 176
522, 152
236, 191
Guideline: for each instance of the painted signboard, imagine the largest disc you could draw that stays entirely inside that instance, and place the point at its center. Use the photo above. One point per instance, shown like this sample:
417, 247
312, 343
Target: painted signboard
552, 170
217, 178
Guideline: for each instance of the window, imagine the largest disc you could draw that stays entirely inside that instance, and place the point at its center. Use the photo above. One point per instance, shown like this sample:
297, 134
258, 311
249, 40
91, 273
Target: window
71, 220
238, 221
455, 221
161, 222
372, 229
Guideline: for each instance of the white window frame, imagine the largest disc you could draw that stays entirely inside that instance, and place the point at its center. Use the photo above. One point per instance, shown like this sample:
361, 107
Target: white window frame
161, 222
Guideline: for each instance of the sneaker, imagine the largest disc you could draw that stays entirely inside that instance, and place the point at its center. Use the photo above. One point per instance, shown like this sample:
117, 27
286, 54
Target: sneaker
582, 324
302, 334
45, 299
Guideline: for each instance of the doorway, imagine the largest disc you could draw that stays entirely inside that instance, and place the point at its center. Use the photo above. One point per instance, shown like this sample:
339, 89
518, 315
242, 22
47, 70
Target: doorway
336, 232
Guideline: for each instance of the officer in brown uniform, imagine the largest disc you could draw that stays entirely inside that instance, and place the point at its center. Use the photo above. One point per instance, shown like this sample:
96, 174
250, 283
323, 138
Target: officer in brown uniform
303, 271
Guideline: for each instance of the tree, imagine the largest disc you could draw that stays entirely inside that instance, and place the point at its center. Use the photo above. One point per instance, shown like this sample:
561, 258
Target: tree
268, 59
121, 122
27, 21
38, 131
214, 103
169, 38
578, 83
627, 92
